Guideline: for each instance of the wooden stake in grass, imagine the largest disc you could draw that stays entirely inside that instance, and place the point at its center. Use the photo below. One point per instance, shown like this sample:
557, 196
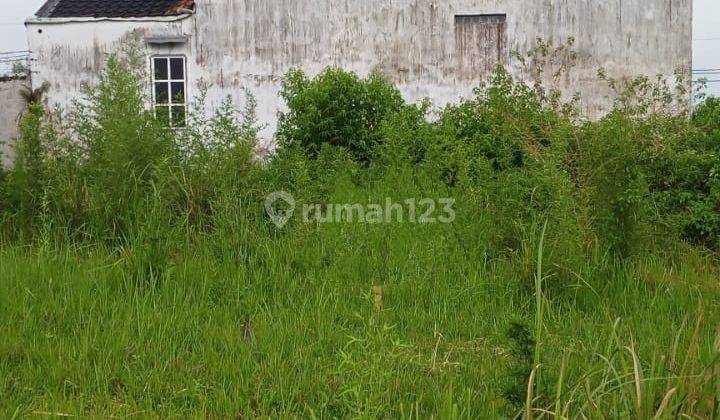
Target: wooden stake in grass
247, 331
378, 292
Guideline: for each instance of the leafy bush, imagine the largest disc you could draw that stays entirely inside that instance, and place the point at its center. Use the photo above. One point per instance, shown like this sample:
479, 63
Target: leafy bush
686, 186
614, 182
514, 150
336, 108
700, 160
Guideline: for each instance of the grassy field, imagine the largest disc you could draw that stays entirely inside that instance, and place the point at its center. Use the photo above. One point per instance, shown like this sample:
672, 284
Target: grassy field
290, 327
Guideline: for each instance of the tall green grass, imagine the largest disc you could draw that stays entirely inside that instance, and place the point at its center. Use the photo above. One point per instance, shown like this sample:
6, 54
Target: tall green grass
291, 329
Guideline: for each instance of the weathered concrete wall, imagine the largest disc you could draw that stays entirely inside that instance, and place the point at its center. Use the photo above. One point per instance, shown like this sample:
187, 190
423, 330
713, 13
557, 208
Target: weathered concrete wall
11, 106
417, 44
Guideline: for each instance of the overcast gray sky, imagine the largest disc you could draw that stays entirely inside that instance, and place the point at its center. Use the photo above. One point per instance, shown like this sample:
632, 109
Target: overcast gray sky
706, 42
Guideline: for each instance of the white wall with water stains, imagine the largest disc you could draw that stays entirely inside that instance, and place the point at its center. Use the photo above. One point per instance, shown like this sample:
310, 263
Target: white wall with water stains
419, 45
12, 105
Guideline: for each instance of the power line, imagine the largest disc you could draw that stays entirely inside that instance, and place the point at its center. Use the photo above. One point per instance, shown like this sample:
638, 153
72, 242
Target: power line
4, 56
14, 59
706, 72
10, 57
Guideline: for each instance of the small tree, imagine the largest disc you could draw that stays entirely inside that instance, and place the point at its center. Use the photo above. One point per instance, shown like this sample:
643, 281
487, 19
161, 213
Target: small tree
336, 108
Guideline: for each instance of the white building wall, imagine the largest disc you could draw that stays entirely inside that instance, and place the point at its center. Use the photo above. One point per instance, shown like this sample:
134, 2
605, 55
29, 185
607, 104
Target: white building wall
13, 105
251, 44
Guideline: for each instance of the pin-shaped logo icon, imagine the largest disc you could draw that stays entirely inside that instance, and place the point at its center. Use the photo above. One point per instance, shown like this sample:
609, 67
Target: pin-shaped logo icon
280, 206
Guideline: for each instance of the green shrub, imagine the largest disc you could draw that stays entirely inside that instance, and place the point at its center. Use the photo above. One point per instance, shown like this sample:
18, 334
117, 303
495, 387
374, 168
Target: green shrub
685, 185
702, 160
514, 153
506, 156
218, 160
706, 116
611, 157
24, 183
124, 147
408, 136
336, 108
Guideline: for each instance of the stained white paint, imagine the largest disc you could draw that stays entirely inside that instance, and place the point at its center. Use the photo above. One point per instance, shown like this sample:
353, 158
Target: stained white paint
236, 44
13, 105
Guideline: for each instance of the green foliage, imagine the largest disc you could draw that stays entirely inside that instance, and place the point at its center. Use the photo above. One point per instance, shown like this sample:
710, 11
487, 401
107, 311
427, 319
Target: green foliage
218, 161
680, 161
109, 172
611, 161
123, 151
24, 184
707, 116
521, 349
698, 173
336, 108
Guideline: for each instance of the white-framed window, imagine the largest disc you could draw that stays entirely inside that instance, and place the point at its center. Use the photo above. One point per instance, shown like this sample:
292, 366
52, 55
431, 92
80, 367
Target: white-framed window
170, 89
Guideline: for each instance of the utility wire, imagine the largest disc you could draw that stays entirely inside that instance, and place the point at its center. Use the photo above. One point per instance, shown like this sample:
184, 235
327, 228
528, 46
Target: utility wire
20, 54
14, 60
